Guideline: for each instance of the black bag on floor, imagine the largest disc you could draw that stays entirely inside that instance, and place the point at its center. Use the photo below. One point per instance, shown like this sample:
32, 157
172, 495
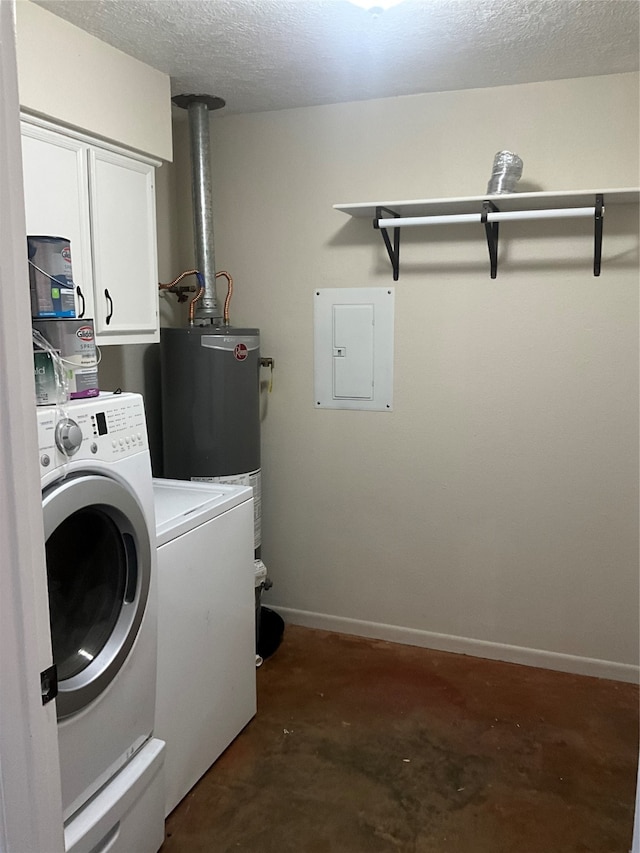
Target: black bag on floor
270, 633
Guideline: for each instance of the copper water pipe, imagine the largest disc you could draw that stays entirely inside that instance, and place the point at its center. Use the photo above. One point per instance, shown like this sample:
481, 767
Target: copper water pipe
200, 293
227, 301
176, 280
192, 304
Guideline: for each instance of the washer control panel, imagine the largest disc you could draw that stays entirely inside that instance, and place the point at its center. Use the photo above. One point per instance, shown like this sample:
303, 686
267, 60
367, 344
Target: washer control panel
108, 428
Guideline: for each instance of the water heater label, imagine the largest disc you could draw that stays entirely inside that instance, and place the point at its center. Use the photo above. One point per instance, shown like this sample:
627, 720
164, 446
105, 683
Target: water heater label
253, 479
240, 351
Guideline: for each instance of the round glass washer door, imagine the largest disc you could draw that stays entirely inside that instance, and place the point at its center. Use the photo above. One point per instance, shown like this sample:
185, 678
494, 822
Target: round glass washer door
98, 553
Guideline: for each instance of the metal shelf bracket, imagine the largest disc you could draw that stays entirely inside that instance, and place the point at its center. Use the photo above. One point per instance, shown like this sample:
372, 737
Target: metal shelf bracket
491, 229
597, 249
393, 251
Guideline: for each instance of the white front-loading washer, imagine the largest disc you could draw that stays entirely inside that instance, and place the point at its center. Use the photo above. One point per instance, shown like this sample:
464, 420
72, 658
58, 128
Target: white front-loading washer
97, 500
206, 625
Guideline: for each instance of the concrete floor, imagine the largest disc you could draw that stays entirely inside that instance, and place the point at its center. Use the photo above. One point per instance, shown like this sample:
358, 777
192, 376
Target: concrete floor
361, 746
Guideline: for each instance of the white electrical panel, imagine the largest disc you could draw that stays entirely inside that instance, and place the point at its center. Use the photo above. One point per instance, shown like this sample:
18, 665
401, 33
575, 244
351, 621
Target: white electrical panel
353, 348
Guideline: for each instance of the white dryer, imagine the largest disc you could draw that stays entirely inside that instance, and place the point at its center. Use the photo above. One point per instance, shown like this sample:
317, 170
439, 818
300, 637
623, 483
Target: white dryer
97, 500
206, 625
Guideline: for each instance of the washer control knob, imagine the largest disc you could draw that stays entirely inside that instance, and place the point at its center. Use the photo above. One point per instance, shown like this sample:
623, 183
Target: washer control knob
68, 436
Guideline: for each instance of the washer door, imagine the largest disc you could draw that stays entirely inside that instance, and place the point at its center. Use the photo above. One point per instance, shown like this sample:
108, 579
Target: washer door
98, 569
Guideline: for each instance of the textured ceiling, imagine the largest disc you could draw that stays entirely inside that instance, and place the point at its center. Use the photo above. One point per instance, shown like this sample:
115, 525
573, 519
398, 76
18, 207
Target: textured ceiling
275, 54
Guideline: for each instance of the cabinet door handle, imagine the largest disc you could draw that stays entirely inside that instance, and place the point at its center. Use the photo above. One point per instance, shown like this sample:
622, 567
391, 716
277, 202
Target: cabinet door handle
81, 298
110, 304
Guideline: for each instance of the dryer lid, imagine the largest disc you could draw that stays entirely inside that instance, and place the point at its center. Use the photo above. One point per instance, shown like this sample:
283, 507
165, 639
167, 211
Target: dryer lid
181, 505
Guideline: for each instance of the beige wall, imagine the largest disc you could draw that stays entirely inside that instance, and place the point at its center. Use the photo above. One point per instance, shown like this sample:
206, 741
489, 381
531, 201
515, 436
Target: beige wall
78, 80
495, 511
498, 503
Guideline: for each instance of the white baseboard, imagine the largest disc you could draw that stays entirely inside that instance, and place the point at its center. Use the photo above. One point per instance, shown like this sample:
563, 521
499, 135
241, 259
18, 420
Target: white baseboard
462, 645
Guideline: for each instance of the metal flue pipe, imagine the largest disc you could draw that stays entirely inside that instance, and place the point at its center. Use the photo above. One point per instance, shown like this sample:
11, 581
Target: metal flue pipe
198, 106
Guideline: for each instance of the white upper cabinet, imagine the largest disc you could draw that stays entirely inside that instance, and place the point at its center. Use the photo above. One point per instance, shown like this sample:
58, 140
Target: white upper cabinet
123, 233
57, 201
103, 201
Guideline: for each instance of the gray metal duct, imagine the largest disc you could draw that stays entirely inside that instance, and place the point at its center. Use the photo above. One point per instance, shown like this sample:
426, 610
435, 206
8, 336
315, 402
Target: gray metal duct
207, 309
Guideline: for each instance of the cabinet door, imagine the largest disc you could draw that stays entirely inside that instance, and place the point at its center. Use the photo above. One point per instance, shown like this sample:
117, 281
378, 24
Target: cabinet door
123, 235
56, 199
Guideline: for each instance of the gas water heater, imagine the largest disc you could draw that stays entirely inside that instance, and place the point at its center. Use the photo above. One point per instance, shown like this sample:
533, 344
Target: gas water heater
210, 370
211, 406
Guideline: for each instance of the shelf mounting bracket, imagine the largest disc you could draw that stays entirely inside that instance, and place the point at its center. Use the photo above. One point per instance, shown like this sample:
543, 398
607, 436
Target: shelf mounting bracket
393, 251
491, 229
597, 249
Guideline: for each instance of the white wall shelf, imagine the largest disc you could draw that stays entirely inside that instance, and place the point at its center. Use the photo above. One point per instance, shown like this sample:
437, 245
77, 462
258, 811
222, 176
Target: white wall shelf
489, 211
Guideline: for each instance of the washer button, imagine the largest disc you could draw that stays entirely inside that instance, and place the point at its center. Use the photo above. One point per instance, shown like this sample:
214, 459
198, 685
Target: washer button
44, 460
94, 447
